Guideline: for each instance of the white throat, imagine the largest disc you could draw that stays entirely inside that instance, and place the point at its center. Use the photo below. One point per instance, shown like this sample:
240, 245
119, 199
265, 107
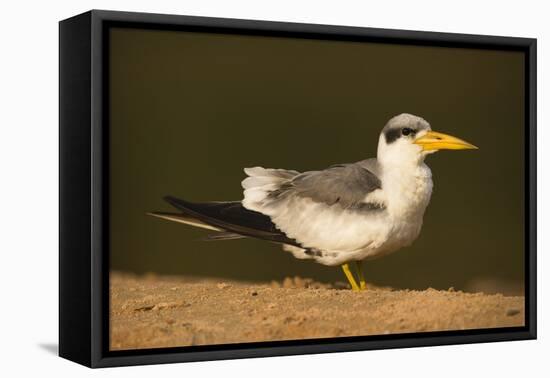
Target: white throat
406, 179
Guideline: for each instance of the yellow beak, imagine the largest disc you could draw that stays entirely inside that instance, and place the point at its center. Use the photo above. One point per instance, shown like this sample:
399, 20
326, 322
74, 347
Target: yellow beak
433, 141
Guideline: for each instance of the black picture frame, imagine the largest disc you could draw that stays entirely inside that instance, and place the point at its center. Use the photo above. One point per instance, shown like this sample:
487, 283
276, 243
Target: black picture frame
84, 199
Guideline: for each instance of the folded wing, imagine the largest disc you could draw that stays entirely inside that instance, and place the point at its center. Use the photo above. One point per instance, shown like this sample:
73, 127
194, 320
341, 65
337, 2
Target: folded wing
326, 210
346, 185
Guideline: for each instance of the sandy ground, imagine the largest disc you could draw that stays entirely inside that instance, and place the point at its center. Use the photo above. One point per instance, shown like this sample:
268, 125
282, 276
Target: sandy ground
159, 311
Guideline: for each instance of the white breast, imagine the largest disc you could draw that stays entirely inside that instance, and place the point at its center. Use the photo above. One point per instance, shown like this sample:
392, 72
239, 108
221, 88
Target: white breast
408, 194
367, 235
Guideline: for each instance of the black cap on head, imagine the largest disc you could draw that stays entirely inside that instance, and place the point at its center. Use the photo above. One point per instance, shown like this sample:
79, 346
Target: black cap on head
404, 125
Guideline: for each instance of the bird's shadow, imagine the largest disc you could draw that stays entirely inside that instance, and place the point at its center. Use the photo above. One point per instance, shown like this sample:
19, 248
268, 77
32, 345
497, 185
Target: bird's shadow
51, 348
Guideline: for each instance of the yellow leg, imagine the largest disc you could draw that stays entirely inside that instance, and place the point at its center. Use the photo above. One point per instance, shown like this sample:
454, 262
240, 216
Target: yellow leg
362, 283
350, 278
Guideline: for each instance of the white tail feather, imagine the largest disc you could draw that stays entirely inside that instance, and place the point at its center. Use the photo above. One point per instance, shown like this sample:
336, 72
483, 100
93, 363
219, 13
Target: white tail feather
260, 182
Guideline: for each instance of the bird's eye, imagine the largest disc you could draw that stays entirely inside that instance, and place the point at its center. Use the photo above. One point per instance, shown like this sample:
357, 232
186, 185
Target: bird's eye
406, 131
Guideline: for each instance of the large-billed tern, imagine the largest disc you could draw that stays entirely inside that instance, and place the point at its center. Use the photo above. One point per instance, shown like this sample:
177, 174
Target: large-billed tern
347, 212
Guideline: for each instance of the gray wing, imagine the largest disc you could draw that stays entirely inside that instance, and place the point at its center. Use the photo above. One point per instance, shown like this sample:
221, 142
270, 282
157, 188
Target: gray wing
317, 209
345, 184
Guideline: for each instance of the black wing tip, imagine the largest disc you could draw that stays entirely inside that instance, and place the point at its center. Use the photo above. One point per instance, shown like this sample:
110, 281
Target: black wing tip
176, 202
170, 199
223, 236
233, 218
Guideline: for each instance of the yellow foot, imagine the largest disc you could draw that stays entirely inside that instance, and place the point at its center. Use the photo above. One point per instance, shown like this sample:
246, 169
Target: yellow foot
362, 283
350, 278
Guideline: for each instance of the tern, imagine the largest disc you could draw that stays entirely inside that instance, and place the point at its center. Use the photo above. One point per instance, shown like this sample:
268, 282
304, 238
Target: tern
347, 212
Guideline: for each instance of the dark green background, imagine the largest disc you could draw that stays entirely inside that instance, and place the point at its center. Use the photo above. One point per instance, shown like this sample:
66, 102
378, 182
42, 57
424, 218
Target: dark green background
189, 110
